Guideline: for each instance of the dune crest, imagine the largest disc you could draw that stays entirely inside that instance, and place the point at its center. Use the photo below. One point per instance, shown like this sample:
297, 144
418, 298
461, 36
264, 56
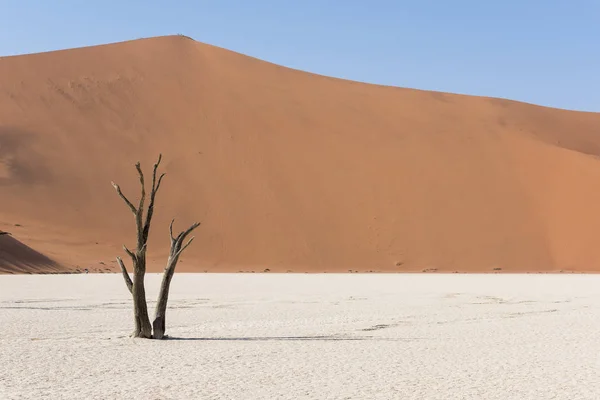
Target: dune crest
289, 170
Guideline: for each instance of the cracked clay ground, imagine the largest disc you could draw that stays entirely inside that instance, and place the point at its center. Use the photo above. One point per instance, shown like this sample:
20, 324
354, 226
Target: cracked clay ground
297, 336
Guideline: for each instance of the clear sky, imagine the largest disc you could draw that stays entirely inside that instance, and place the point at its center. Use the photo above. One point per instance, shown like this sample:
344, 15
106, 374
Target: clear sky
540, 51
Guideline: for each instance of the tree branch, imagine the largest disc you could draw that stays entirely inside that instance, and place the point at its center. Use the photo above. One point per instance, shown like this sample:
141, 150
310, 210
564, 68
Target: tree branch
171, 230
155, 187
131, 254
156, 164
128, 281
176, 245
184, 234
185, 247
125, 199
143, 196
159, 181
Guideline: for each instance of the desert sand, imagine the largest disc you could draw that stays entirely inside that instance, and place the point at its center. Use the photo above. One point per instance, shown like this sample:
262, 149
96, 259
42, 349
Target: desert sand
305, 336
288, 170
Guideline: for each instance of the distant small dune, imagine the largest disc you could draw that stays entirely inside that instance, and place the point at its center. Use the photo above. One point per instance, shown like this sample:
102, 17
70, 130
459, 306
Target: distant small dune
16, 257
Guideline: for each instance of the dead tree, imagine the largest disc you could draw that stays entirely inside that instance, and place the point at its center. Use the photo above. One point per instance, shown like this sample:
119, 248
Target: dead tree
143, 329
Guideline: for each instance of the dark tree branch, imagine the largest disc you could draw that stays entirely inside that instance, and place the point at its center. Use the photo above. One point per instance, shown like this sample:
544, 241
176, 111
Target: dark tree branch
141, 240
154, 172
176, 243
171, 231
125, 199
185, 233
185, 247
160, 178
143, 196
130, 253
153, 192
128, 281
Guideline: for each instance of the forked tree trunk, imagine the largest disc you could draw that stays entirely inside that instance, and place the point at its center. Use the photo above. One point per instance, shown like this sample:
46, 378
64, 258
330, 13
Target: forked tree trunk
143, 329
177, 248
160, 314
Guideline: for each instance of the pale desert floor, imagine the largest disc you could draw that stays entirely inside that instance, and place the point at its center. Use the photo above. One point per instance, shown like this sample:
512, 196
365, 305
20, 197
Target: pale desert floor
296, 336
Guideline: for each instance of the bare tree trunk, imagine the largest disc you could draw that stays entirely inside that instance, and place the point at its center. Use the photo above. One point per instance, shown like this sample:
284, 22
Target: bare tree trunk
143, 329
177, 248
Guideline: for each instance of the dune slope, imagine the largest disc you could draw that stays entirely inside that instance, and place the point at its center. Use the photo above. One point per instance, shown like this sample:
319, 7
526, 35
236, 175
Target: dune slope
289, 170
16, 257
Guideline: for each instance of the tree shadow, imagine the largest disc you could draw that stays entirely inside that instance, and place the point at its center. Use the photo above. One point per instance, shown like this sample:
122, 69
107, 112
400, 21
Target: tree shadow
284, 338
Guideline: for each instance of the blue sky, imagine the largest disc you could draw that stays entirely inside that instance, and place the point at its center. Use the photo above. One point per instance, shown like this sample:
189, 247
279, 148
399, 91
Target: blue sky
540, 51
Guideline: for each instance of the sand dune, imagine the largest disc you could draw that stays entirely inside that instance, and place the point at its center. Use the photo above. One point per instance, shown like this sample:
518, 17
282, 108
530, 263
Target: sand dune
16, 257
289, 170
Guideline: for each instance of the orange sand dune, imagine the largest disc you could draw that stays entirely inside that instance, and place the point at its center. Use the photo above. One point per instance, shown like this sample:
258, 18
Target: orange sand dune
289, 170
